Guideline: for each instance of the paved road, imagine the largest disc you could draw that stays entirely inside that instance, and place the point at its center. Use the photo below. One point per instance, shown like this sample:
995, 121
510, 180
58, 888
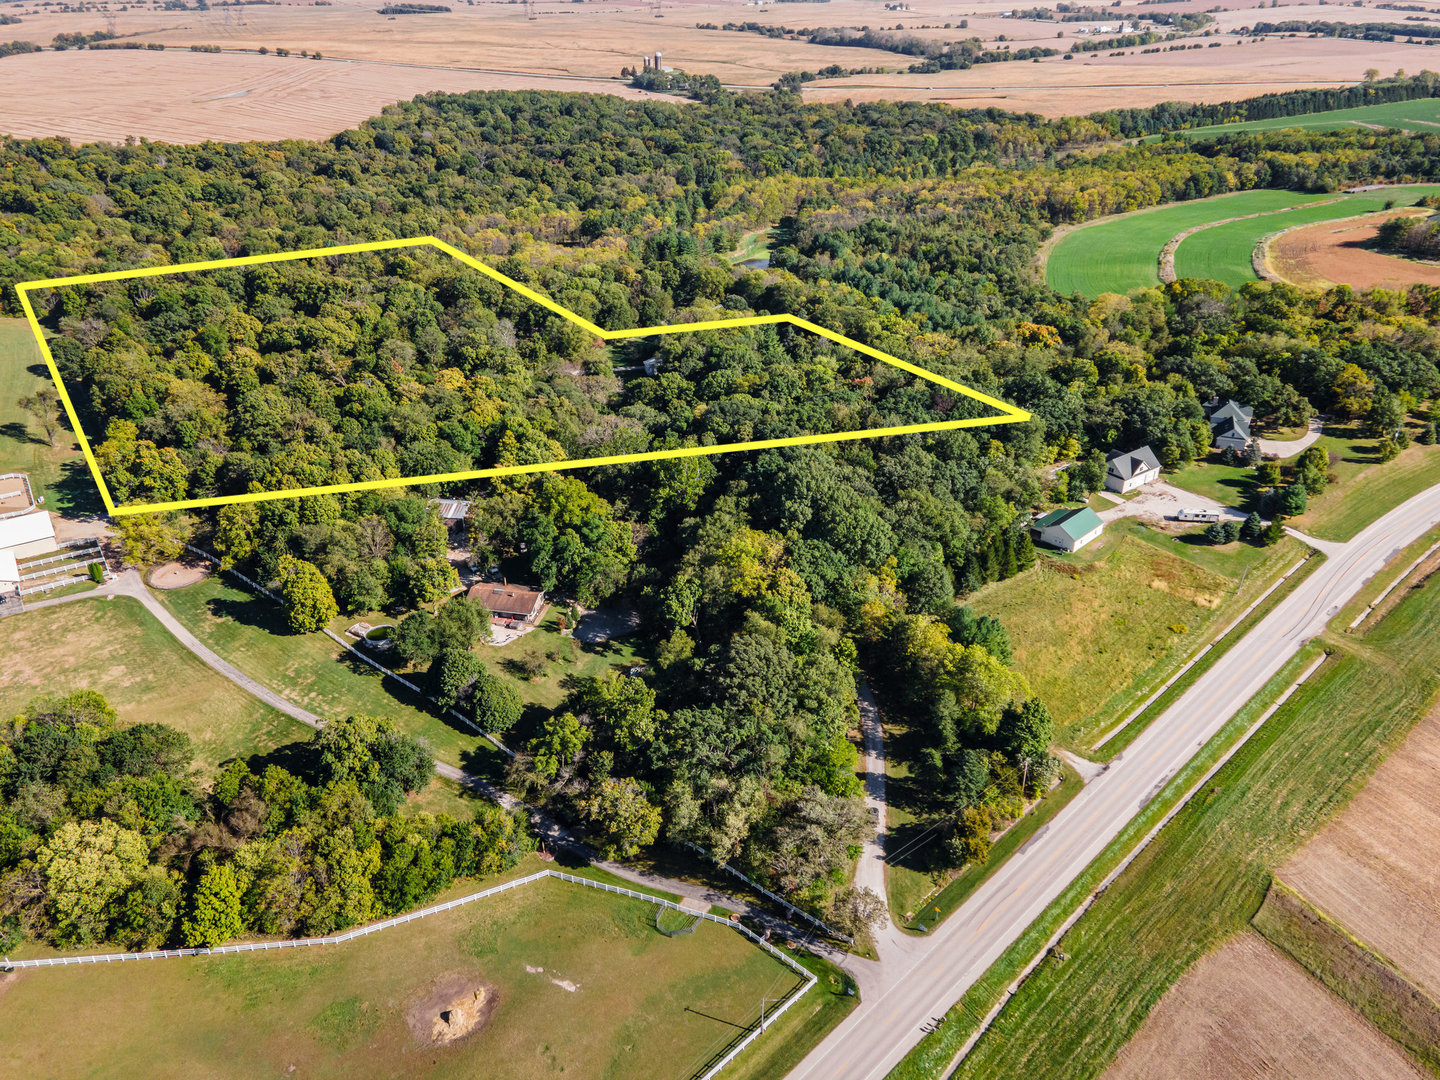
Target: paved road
870, 870
912, 985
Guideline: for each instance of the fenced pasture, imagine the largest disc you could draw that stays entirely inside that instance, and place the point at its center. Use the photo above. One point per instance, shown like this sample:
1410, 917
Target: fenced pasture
585, 986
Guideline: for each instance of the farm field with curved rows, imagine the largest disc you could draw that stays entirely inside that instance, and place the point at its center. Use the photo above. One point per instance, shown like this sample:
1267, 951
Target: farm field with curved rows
1122, 253
1224, 253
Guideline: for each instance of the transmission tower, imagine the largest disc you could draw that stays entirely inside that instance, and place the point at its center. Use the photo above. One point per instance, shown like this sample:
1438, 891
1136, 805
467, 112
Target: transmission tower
655, 10
530, 9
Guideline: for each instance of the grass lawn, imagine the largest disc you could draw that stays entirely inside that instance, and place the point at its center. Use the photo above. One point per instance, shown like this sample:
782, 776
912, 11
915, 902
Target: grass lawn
561, 659
1224, 252
1367, 487
1232, 485
312, 671
57, 474
1096, 631
1123, 253
1205, 876
753, 245
116, 647
1419, 116
635, 1003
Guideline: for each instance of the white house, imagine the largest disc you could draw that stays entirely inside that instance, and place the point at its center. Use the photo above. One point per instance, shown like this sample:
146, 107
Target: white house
1126, 471
1068, 530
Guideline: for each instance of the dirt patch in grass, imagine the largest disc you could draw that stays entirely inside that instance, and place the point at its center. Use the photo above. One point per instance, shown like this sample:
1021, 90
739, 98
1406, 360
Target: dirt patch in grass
456, 1006
1376, 868
1247, 1011
176, 575
1342, 253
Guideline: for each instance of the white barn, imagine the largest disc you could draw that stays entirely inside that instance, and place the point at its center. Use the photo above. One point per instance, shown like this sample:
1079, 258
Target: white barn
28, 534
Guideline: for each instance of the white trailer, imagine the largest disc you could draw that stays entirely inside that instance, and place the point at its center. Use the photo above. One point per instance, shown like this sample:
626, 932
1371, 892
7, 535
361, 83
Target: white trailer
1191, 514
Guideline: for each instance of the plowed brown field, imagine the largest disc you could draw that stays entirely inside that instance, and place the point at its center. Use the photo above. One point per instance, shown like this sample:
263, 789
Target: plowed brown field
1249, 1011
1335, 253
1376, 868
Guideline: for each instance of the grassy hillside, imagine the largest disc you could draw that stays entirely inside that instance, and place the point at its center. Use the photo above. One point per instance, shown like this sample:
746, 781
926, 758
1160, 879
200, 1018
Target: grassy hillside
1419, 116
118, 648
1206, 875
1138, 601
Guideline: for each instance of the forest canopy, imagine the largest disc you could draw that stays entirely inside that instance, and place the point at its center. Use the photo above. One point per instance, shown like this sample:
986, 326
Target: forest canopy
363, 367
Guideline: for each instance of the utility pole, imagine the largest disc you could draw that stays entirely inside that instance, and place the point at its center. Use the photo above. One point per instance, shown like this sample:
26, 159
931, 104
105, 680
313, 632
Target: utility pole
762, 1010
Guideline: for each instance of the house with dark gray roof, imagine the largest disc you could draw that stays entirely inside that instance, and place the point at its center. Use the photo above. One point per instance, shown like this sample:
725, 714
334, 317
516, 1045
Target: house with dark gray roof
1128, 470
1068, 530
1230, 425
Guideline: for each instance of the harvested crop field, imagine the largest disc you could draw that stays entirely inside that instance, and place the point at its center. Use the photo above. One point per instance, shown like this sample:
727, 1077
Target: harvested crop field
1340, 253
184, 97
1097, 81
1376, 868
1247, 1011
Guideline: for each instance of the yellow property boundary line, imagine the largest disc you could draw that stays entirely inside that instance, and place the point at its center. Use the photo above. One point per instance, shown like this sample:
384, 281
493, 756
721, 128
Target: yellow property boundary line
1009, 414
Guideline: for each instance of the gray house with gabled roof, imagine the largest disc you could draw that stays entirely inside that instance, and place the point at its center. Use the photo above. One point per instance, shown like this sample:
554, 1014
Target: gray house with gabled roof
1068, 530
1128, 470
1230, 425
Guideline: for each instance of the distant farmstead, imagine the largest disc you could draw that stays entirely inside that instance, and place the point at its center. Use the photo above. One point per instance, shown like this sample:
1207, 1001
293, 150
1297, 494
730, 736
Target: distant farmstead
509, 601
1128, 470
1068, 530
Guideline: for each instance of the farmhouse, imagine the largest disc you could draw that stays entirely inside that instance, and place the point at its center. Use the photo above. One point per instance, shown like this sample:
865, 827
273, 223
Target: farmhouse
1068, 530
28, 534
509, 601
1230, 425
1126, 471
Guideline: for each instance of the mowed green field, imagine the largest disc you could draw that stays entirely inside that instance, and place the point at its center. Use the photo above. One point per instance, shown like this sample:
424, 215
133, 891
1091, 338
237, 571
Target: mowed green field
1123, 253
1207, 872
117, 647
585, 987
57, 474
1140, 606
1224, 253
1421, 116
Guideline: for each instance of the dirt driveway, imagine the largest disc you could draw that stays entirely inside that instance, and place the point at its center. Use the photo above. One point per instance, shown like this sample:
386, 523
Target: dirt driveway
1162, 500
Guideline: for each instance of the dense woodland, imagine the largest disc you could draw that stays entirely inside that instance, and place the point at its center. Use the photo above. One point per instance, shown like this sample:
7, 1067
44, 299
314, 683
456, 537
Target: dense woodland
106, 835
766, 581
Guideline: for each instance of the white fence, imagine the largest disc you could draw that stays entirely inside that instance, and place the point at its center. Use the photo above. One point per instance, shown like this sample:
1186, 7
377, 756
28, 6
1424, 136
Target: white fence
29, 494
808, 978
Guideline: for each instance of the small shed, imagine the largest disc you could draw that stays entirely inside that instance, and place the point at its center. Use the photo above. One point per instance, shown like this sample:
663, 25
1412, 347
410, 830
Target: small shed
1128, 470
1068, 530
